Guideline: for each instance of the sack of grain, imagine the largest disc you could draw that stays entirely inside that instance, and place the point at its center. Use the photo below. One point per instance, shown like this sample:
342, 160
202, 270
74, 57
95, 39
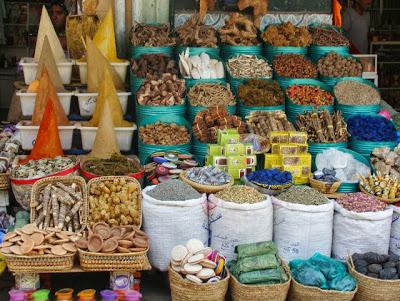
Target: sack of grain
394, 246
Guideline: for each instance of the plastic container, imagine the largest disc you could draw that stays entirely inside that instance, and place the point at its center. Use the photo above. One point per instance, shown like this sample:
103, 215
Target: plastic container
29, 132
138, 51
197, 51
315, 52
65, 294
87, 102
142, 112
87, 295
30, 68
108, 295
41, 295
132, 295
136, 82
229, 50
271, 51
124, 136
28, 101
316, 148
16, 295
121, 68
365, 148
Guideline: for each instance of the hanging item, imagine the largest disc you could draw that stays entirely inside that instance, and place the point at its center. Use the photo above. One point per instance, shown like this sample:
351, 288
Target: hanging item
205, 5
260, 8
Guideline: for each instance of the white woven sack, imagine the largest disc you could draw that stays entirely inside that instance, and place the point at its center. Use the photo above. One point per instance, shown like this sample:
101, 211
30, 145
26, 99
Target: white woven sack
360, 232
170, 223
394, 246
301, 230
232, 224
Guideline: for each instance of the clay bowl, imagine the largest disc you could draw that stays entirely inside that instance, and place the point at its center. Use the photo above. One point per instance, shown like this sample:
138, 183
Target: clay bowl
102, 229
95, 243
110, 245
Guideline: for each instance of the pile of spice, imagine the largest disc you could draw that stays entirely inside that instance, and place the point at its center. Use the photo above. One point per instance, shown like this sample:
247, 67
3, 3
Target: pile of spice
325, 175
263, 122
168, 90
335, 65
379, 266
116, 165
270, 177
294, 66
350, 92
42, 167
287, 34
386, 161
115, 202
164, 134
309, 95
248, 66
200, 66
9, 147
238, 31
323, 127
303, 195
207, 123
154, 64
371, 128
208, 175
328, 37
381, 186
241, 194
151, 35
174, 190
361, 202
209, 94
194, 33
261, 93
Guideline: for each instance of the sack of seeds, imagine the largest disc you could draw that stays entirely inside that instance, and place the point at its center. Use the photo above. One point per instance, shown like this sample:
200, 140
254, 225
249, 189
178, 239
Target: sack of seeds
173, 213
233, 223
394, 247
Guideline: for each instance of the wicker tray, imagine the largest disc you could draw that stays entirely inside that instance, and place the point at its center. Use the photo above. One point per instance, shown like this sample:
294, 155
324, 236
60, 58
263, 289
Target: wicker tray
388, 201
204, 188
324, 187
39, 185
39, 263
137, 261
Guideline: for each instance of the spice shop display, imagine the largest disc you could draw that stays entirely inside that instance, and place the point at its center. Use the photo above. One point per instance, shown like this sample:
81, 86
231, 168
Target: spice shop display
164, 134
208, 175
384, 187
10, 146
193, 33
335, 65
240, 194
323, 127
207, 123
210, 94
287, 34
43, 167
248, 66
294, 66
309, 95
303, 195
328, 37
269, 181
151, 35
262, 123
260, 93
371, 128
200, 66
361, 202
354, 93
173, 190
154, 64
386, 161
114, 200
238, 31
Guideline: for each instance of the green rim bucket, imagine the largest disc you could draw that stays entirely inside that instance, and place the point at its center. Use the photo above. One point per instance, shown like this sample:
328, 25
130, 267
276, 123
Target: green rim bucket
228, 50
193, 110
137, 51
315, 52
271, 51
197, 50
244, 110
200, 150
143, 112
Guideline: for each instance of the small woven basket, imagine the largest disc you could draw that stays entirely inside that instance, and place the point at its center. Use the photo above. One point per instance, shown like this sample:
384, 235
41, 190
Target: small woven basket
5, 177
204, 188
275, 292
324, 187
39, 263
388, 201
185, 290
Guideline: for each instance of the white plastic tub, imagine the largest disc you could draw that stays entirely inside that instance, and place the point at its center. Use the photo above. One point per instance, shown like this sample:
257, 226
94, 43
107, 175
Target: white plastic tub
29, 132
124, 137
28, 101
30, 67
87, 102
121, 68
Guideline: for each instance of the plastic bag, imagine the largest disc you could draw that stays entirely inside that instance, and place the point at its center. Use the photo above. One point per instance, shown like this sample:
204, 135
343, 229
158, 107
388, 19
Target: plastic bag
331, 268
254, 249
307, 274
344, 284
271, 276
254, 263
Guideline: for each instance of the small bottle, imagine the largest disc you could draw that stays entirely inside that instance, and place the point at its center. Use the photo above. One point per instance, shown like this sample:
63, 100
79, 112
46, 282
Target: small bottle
16, 295
87, 295
132, 295
108, 295
65, 294
41, 295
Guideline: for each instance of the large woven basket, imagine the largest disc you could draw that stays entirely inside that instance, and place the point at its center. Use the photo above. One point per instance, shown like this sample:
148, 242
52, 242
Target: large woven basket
185, 290
324, 187
372, 289
388, 201
39, 263
299, 292
39, 185
275, 292
204, 188
4, 181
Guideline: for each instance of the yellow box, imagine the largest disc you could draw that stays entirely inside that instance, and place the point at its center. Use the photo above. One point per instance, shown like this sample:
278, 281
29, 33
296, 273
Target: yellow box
271, 159
279, 137
302, 148
305, 170
279, 167
301, 180
298, 137
294, 170
304, 159
284, 149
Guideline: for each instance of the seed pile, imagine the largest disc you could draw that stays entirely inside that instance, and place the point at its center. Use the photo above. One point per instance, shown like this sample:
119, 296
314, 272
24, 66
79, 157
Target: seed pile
261, 93
194, 33
154, 64
371, 128
241, 194
262, 123
174, 190
335, 65
385, 267
328, 37
361, 202
164, 134
294, 66
42, 167
116, 165
248, 66
303, 195
309, 95
210, 94
208, 175
238, 31
350, 92
151, 35
287, 34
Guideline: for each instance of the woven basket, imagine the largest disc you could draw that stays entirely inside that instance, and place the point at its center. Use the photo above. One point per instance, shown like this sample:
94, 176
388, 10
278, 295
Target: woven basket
4, 181
372, 289
299, 292
39, 185
324, 187
273, 292
39, 263
137, 261
204, 188
185, 290
388, 201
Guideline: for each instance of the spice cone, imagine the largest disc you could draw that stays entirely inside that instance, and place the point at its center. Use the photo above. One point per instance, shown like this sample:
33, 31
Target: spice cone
47, 92
46, 29
108, 93
97, 63
47, 60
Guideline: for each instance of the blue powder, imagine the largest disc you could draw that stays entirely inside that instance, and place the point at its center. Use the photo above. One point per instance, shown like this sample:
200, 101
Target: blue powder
371, 128
270, 177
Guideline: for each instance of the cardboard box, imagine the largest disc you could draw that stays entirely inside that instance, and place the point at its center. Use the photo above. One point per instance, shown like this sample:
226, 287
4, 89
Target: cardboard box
305, 170
237, 173
296, 160
228, 136
234, 149
271, 160
215, 150
251, 160
279, 137
302, 148
218, 161
294, 170
301, 180
284, 149
237, 161
249, 150
298, 137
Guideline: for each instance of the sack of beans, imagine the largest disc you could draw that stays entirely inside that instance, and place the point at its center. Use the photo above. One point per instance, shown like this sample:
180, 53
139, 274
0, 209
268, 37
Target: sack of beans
303, 220
173, 212
394, 247
238, 215
361, 224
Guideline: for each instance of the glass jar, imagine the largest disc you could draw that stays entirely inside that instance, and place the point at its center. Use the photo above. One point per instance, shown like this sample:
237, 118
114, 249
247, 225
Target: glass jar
108, 295
87, 295
65, 294
41, 295
16, 295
